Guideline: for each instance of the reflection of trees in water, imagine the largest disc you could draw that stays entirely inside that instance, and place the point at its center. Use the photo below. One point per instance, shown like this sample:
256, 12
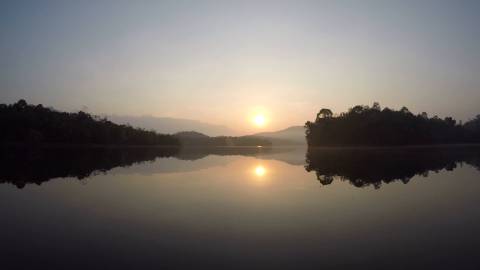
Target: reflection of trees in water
374, 166
361, 167
21, 166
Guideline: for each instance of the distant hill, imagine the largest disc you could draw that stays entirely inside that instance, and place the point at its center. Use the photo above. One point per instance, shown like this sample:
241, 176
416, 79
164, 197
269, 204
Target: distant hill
171, 125
294, 135
196, 139
191, 135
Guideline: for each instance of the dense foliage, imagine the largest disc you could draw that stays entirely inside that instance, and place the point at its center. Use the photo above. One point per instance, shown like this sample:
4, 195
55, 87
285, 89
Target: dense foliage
372, 126
22, 123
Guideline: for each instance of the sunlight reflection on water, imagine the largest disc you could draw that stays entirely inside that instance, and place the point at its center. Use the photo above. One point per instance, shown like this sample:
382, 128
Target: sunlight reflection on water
260, 170
270, 203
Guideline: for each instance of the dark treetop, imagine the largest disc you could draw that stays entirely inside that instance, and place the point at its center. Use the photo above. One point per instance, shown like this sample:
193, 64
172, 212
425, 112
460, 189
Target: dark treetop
24, 123
372, 126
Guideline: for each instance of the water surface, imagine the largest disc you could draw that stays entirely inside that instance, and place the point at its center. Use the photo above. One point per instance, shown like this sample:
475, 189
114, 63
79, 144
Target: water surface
244, 208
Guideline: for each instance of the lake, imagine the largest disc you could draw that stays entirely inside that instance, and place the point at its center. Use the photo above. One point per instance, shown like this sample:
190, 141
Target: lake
240, 208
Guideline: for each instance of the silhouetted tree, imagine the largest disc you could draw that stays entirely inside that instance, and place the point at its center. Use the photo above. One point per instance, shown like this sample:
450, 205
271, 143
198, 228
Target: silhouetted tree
473, 129
405, 110
24, 123
324, 113
362, 125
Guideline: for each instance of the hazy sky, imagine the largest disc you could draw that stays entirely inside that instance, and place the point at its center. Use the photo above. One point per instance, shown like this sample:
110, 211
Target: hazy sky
221, 61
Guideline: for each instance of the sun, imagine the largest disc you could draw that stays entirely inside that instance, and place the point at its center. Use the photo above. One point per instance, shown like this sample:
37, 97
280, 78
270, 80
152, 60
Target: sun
259, 120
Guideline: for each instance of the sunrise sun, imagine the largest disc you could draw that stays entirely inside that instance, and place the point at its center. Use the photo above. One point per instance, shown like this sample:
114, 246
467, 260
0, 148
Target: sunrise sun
259, 120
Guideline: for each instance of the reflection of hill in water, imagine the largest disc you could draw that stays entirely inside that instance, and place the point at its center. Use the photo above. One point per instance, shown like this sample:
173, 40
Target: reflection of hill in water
290, 155
195, 153
365, 167
293, 156
26, 166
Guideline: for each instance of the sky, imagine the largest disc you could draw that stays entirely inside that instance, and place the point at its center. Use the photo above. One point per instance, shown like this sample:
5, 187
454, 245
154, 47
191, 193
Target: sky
223, 62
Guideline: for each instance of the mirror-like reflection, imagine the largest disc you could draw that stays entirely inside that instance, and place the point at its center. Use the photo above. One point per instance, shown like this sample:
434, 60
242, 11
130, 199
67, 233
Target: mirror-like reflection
240, 208
260, 170
374, 166
34, 166
23, 166
359, 166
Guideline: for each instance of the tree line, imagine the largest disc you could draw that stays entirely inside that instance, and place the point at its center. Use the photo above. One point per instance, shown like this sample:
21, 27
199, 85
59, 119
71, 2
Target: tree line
35, 124
374, 126
25, 123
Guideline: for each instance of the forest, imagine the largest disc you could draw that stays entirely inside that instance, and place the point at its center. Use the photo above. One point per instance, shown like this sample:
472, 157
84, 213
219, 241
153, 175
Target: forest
24, 123
33, 124
374, 126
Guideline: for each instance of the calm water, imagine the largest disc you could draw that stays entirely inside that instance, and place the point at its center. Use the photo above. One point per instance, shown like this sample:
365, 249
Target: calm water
416, 208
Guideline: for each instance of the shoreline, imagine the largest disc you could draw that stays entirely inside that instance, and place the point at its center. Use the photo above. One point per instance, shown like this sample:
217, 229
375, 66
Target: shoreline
412, 146
68, 145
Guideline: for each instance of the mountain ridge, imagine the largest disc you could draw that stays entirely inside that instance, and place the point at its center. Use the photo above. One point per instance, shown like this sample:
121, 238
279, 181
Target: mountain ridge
290, 135
293, 135
172, 125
